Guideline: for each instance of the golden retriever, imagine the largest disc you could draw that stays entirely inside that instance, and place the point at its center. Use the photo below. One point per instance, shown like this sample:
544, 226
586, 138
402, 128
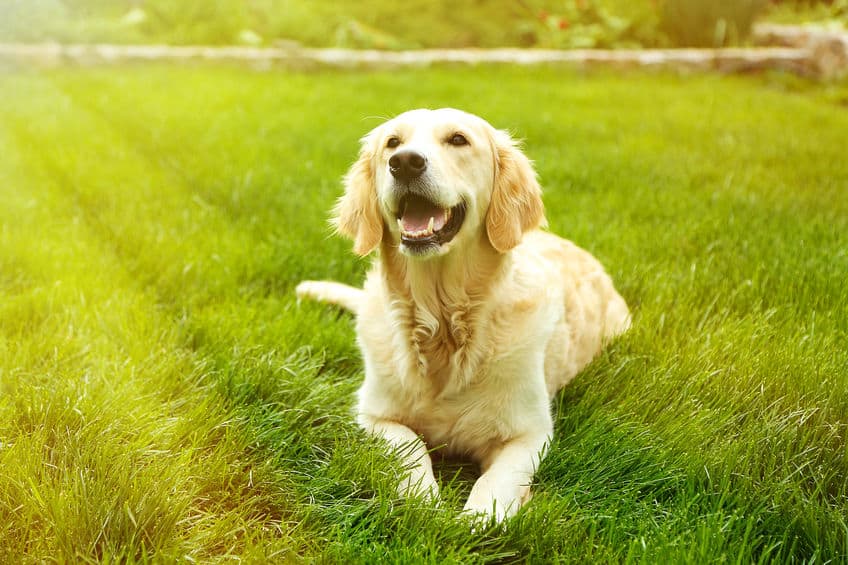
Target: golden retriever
471, 317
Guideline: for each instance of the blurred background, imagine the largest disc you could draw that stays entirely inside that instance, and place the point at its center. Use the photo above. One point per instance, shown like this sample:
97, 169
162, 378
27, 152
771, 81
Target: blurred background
388, 24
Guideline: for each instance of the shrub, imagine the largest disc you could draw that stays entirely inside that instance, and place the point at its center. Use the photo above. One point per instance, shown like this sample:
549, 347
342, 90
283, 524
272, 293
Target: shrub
828, 12
708, 23
588, 24
196, 21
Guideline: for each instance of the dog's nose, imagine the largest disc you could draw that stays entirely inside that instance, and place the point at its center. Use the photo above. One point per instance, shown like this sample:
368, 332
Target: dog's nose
407, 165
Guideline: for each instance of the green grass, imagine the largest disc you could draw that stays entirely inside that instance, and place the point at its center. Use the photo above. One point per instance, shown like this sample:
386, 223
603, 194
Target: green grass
163, 397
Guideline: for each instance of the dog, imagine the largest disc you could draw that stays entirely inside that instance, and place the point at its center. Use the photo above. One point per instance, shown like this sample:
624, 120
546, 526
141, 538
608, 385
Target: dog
471, 317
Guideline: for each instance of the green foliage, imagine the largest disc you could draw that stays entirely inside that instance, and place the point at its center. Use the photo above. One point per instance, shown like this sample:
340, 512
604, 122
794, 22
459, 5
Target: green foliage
385, 24
590, 24
709, 23
164, 398
376, 24
196, 21
829, 13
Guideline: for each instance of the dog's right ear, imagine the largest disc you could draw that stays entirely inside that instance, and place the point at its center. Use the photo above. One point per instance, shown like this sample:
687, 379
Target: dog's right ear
357, 214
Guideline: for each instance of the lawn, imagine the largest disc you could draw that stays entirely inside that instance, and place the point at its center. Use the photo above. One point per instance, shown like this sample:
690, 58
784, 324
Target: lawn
164, 398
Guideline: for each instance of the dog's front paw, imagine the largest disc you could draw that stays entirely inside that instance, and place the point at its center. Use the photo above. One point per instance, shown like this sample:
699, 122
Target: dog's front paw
484, 513
481, 519
486, 504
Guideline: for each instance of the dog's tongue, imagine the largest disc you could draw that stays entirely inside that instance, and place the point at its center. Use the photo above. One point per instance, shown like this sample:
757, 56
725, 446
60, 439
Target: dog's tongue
417, 213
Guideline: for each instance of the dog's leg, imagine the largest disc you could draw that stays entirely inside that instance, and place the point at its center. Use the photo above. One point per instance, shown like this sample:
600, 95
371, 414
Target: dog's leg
507, 474
419, 479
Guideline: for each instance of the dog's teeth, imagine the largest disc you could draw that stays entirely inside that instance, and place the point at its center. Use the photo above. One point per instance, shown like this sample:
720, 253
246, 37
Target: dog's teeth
447, 214
400, 225
430, 225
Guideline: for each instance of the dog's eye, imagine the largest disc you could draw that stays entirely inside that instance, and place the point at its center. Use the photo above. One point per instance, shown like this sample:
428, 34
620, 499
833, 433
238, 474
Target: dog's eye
457, 139
393, 142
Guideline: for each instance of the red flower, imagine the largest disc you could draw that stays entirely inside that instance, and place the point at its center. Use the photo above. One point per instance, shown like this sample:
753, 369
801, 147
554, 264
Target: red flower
563, 24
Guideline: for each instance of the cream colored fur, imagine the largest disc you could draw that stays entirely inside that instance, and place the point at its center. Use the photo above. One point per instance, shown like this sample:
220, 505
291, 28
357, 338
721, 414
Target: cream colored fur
464, 349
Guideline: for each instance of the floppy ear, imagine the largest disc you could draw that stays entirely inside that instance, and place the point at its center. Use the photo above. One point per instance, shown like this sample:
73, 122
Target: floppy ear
516, 204
357, 214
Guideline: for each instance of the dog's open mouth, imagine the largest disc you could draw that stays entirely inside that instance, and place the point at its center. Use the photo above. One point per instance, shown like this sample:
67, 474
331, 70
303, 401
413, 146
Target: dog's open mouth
424, 224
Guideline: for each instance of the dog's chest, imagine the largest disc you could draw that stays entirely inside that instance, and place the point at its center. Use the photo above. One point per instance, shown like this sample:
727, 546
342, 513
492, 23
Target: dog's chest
449, 400
448, 356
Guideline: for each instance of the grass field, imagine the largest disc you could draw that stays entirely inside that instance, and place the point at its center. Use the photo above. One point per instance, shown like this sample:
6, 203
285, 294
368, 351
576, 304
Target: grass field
164, 398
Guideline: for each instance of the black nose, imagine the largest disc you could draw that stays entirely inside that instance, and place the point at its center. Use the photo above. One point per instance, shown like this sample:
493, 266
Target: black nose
407, 165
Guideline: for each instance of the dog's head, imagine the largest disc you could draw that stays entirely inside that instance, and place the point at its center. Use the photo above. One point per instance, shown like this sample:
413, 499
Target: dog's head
431, 179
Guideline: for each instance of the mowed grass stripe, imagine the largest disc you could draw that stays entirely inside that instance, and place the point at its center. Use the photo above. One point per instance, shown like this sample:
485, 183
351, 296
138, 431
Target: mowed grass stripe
249, 170
117, 436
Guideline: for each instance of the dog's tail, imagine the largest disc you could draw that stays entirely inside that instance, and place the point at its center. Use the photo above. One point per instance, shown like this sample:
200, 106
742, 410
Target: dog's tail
347, 297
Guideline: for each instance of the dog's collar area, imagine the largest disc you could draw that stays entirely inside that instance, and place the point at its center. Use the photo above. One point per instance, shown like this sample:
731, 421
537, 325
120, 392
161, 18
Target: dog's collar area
425, 226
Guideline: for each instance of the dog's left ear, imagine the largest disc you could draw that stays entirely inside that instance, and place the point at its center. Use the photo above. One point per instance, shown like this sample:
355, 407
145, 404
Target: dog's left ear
516, 206
357, 214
